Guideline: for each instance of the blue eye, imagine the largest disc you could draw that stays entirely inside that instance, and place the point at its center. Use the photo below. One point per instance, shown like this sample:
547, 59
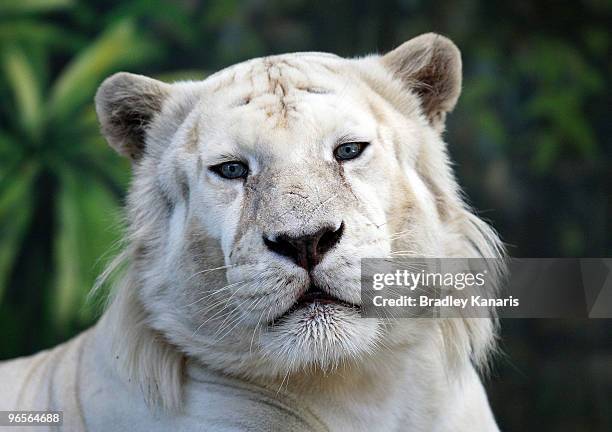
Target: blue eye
349, 150
231, 170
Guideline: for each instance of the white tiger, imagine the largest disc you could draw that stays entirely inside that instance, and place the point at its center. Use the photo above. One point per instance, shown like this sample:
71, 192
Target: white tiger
255, 194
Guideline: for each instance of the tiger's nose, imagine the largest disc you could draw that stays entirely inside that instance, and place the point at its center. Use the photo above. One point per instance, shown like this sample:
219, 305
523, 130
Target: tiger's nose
306, 251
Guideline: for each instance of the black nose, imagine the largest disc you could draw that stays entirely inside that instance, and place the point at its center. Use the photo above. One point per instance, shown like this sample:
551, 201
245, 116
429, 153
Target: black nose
306, 251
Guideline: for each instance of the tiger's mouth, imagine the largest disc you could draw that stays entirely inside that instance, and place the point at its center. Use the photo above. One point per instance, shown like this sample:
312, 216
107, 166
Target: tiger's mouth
314, 297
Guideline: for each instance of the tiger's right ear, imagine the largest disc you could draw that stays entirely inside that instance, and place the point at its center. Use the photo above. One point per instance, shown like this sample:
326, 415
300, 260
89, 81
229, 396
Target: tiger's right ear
126, 104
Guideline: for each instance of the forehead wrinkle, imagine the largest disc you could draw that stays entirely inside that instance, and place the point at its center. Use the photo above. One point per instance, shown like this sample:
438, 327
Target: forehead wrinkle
279, 103
274, 86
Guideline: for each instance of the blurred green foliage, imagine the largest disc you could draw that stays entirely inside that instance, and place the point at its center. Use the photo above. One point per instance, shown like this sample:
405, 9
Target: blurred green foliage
531, 138
56, 170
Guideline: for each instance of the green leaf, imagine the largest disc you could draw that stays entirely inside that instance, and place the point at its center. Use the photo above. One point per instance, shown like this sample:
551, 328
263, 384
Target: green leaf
175, 18
33, 6
10, 151
67, 254
119, 46
36, 32
15, 213
15, 187
88, 226
219, 12
26, 89
183, 75
11, 236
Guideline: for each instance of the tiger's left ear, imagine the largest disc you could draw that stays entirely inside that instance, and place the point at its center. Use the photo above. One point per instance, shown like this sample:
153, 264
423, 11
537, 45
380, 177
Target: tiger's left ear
430, 66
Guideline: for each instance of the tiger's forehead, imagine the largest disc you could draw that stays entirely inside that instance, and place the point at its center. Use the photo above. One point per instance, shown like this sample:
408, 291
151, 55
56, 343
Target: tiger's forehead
285, 107
277, 85
265, 74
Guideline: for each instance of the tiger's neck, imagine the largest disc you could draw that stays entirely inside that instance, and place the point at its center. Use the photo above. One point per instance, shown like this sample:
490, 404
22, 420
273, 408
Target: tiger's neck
404, 390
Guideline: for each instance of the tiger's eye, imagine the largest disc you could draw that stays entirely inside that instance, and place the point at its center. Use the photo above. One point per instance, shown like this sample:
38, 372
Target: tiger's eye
349, 150
231, 170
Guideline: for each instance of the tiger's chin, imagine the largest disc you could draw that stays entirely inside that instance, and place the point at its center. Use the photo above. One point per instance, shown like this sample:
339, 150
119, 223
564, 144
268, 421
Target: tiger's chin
319, 335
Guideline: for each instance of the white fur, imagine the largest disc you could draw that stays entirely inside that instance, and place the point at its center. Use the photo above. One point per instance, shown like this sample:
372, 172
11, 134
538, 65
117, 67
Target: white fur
200, 289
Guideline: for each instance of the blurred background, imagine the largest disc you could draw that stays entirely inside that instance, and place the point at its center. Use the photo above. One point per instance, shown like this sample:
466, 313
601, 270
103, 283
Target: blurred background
530, 137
